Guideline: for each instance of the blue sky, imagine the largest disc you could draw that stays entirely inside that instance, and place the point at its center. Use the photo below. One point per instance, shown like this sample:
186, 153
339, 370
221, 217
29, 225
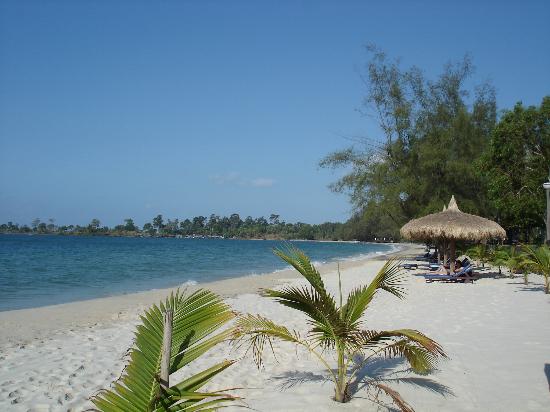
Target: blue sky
115, 109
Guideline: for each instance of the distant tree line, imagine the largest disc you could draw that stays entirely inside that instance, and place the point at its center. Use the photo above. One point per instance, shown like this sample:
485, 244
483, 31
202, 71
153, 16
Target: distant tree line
439, 138
214, 226
442, 139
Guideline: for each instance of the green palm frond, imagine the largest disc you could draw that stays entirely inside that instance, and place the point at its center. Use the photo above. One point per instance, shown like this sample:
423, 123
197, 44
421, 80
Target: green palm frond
389, 278
420, 351
298, 259
336, 329
500, 257
374, 338
538, 260
324, 316
395, 397
315, 301
256, 331
195, 318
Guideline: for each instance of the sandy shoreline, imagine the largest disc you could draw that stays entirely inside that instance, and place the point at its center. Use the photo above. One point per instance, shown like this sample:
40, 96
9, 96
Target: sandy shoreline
24, 325
496, 333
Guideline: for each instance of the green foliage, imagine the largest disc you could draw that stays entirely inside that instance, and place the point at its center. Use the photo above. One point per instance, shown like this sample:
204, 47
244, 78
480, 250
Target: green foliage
338, 328
538, 260
433, 139
516, 165
480, 252
517, 262
227, 227
500, 257
196, 318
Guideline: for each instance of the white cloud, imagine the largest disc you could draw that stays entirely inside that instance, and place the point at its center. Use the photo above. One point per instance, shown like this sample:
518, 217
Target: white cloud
235, 178
262, 182
231, 177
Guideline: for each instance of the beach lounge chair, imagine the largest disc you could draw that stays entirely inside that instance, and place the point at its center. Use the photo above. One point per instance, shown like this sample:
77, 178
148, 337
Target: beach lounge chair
432, 267
409, 266
463, 275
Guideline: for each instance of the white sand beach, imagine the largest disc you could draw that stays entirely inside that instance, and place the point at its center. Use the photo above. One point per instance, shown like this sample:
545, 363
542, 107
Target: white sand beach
496, 333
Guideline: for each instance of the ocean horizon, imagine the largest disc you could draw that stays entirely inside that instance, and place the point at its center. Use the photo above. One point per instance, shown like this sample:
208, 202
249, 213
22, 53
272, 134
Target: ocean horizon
46, 270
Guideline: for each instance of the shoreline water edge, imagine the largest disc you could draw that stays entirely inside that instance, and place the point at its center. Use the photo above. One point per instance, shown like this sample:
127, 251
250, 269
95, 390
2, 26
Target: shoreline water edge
24, 325
55, 358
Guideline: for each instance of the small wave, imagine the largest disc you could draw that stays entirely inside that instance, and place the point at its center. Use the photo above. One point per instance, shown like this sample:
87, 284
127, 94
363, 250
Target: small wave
189, 283
288, 267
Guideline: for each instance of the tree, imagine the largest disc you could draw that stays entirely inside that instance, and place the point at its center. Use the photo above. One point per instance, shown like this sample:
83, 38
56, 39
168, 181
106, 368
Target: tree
158, 223
274, 219
235, 221
432, 138
539, 261
172, 226
51, 225
35, 224
186, 227
129, 225
500, 257
196, 319
516, 165
481, 253
198, 224
338, 327
94, 225
148, 227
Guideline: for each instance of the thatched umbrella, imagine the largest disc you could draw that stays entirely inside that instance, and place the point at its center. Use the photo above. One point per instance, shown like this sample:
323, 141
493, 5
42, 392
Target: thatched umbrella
451, 225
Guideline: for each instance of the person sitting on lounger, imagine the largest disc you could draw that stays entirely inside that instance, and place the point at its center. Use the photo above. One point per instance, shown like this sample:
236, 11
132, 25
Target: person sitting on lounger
458, 266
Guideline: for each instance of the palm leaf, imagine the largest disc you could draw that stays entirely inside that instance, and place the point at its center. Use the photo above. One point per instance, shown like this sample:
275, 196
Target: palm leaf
324, 316
389, 278
256, 331
195, 318
420, 351
298, 259
314, 301
395, 397
539, 261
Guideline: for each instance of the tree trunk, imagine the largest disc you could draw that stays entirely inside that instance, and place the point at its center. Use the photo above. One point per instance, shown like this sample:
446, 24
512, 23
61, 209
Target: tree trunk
340, 394
166, 350
452, 252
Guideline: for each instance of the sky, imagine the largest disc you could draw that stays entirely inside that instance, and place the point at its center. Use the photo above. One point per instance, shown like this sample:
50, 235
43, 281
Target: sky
117, 109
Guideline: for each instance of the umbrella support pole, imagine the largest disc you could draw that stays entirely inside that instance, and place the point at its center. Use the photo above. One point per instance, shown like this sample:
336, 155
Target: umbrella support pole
452, 252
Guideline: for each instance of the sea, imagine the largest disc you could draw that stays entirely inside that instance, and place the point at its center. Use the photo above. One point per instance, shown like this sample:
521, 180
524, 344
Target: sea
40, 270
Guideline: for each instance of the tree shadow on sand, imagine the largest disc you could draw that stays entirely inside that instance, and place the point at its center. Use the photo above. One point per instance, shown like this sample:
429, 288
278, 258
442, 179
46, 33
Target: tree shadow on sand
531, 288
291, 379
394, 371
380, 371
492, 275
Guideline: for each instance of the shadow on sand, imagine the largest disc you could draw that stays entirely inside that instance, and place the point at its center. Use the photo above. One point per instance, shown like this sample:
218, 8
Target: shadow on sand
394, 371
383, 371
531, 288
492, 275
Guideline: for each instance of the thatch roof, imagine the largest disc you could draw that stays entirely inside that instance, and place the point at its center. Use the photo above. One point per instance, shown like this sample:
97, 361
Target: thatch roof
452, 224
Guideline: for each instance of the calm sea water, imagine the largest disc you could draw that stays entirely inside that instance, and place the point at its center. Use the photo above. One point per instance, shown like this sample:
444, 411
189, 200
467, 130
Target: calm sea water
44, 270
